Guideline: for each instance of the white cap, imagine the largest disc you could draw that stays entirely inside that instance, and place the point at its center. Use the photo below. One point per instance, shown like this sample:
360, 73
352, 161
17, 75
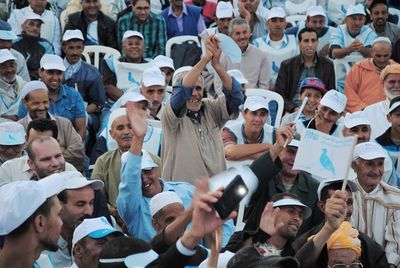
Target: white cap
382, 39
352, 185
12, 133
130, 33
315, 11
162, 61
224, 10
293, 202
94, 228
394, 104
368, 151
354, 10
238, 75
20, 199
334, 100
32, 16
74, 180
114, 115
32, 86
72, 34
147, 161
163, 199
276, 12
133, 97
153, 76
254, 103
52, 62
356, 119
294, 143
180, 70
6, 55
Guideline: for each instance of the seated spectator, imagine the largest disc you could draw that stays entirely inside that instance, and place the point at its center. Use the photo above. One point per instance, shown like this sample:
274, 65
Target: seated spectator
10, 85
31, 45
12, 141
152, 26
377, 113
50, 30
312, 88
256, 20
363, 85
276, 44
96, 27
380, 24
208, 9
307, 64
7, 36
63, 100
166, 66
35, 98
251, 138
238, 75
224, 15
250, 255
182, 19
352, 38
330, 109
255, 65
110, 8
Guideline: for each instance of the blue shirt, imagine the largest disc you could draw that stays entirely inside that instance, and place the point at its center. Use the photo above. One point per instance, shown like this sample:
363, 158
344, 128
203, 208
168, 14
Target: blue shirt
134, 208
69, 104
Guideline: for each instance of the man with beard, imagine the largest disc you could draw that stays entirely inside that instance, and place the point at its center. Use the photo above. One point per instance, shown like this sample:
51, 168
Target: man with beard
153, 89
10, 85
30, 220
381, 26
362, 84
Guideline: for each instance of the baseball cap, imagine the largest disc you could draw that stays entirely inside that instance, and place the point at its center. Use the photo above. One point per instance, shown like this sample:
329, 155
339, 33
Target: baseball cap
52, 62
394, 104
6, 55
180, 70
6, 32
224, 10
276, 12
238, 75
94, 228
313, 82
74, 180
72, 34
33, 16
130, 33
368, 151
163, 199
254, 103
356, 119
32, 86
354, 10
147, 161
294, 143
153, 77
293, 202
334, 100
351, 184
20, 199
163, 61
315, 11
12, 133
133, 97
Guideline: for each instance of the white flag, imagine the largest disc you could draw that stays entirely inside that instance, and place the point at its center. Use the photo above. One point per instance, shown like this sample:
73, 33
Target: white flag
324, 155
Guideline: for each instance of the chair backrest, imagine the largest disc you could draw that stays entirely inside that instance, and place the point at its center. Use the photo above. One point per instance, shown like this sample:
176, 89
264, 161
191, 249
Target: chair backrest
395, 11
129, 75
298, 7
342, 68
275, 100
179, 40
63, 19
96, 51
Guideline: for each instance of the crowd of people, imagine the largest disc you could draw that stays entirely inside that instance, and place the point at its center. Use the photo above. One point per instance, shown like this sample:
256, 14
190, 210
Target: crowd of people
117, 161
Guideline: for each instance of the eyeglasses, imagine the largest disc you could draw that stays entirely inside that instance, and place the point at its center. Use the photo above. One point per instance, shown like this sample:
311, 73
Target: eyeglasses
353, 265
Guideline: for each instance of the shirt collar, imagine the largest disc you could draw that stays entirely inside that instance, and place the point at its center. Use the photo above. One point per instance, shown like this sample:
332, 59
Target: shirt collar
67, 64
284, 39
48, 116
184, 11
314, 60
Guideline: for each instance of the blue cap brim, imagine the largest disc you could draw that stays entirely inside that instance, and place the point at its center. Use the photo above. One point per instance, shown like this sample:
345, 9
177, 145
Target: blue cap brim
103, 233
7, 35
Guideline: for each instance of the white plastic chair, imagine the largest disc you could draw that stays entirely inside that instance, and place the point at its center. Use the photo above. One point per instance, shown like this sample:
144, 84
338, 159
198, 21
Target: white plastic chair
295, 19
270, 96
179, 40
63, 19
97, 50
395, 11
298, 8
342, 68
129, 75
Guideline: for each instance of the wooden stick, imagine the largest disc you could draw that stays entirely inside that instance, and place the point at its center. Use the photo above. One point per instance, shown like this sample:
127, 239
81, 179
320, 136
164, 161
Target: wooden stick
303, 104
349, 165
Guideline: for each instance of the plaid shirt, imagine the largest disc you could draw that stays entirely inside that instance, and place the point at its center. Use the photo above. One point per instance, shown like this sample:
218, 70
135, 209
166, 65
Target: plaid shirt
153, 30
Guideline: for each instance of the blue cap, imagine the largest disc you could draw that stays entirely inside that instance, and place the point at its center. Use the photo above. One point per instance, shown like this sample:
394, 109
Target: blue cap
6, 32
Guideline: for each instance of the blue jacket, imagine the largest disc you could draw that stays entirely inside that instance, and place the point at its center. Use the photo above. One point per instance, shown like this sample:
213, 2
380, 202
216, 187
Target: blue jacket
189, 21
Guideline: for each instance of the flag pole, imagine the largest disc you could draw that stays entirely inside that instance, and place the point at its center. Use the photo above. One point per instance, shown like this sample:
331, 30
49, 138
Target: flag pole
344, 185
303, 104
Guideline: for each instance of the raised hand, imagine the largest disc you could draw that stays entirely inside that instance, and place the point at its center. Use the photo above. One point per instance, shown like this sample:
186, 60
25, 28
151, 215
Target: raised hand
137, 117
244, 13
284, 135
268, 222
335, 209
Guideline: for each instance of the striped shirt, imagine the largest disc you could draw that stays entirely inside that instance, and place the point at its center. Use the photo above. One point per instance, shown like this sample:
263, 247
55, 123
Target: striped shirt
153, 30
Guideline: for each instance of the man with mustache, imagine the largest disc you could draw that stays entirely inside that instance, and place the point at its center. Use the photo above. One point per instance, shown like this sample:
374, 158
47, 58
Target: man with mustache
153, 89
224, 15
380, 24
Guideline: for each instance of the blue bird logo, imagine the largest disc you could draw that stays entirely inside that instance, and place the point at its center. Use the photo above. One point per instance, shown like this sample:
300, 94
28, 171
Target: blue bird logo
132, 79
326, 161
343, 9
275, 67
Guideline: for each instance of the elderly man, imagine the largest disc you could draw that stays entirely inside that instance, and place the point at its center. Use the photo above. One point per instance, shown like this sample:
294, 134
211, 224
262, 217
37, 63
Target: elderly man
363, 85
192, 145
276, 44
249, 11
224, 15
353, 37
97, 28
141, 19
379, 16
10, 85
307, 64
51, 27
35, 228
35, 98
254, 64
12, 141
377, 113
